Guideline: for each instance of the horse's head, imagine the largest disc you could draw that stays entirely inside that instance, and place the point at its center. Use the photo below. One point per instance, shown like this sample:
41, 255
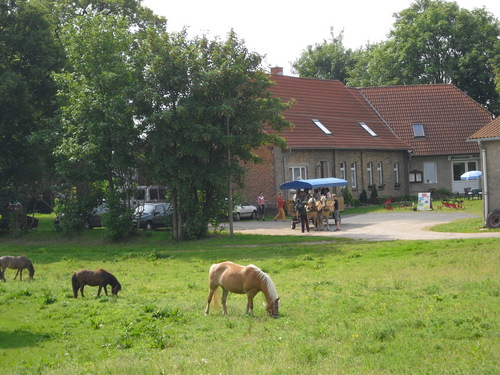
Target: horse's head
116, 288
273, 308
32, 272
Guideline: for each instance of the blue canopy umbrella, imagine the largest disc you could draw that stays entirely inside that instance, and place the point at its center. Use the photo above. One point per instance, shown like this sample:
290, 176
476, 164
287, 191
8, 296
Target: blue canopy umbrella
314, 183
471, 175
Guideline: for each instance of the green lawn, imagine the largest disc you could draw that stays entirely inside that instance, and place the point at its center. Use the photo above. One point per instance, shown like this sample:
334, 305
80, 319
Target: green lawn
347, 307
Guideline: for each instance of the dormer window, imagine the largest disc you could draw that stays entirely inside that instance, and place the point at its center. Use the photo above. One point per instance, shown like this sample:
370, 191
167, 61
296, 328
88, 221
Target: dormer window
321, 126
368, 129
418, 130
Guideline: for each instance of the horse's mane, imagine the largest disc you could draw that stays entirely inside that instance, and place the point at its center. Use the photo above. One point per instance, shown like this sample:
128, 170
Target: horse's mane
273, 293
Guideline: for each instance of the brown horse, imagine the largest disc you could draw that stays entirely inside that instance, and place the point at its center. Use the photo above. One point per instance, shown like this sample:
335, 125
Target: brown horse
100, 278
248, 280
16, 263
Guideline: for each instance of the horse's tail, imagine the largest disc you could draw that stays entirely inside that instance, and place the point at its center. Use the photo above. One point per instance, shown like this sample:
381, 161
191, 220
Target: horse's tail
75, 284
215, 299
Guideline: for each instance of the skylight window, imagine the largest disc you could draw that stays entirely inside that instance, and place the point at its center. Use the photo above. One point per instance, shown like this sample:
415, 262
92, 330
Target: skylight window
368, 129
418, 129
322, 127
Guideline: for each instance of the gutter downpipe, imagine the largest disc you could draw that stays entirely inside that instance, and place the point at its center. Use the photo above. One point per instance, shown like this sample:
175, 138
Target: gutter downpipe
485, 183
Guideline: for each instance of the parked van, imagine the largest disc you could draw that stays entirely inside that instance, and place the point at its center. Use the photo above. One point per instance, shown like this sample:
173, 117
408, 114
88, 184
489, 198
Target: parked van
148, 194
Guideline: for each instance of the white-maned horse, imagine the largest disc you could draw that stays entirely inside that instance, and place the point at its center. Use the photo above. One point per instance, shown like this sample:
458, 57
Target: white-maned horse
248, 280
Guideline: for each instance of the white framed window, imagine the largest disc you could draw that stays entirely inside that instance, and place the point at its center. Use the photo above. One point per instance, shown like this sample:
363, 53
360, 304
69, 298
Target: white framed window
418, 129
380, 174
430, 172
298, 173
369, 171
368, 129
354, 180
342, 167
396, 173
322, 127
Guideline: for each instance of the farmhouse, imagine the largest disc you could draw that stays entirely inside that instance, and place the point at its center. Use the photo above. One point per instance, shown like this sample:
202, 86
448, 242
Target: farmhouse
435, 121
404, 139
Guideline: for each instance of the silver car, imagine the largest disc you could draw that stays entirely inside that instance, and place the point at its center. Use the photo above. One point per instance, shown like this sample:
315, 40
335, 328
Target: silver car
245, 210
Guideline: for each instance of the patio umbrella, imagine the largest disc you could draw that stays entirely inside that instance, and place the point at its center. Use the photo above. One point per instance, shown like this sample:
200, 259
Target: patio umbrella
471, 175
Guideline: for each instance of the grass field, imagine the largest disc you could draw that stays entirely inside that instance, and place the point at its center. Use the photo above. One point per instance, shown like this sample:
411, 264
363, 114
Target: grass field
347, 307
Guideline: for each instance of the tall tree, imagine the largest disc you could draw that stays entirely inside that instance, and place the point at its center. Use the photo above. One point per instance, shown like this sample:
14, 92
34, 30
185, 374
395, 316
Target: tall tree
29, 53
99, 135
434, 41
329, 60
212, 100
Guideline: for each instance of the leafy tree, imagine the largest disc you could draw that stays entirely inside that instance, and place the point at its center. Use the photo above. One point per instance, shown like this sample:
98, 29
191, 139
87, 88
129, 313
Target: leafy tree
496, 65
29, 53
209, 99
329, 60
434, 41
100, 138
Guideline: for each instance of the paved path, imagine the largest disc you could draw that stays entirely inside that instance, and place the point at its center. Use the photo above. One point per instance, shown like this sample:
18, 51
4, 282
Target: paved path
386, 226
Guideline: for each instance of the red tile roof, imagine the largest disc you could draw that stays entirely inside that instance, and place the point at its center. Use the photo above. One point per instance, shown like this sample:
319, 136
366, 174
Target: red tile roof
448, 115
339, 109
490, 131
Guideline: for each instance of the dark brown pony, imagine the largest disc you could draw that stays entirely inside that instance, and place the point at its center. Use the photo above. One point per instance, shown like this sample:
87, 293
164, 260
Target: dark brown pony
100, 278
248, 280
16, 263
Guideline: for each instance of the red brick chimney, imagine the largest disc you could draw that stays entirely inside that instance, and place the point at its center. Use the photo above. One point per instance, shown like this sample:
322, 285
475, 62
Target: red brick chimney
277, 71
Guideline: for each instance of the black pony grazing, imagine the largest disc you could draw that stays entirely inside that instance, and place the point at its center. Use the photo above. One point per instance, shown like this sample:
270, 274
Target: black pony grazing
100, 278
16, 263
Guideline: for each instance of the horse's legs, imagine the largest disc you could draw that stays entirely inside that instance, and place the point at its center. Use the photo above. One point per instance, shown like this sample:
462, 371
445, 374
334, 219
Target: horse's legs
20, 274
225, 292
106, 289
209, 299
99, 291
81, 290
249, 304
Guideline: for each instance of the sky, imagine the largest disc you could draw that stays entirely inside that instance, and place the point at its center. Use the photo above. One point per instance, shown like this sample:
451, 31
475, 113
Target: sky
282, 32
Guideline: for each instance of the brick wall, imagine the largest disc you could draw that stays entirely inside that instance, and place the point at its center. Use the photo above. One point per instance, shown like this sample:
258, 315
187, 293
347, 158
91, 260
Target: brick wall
261, 178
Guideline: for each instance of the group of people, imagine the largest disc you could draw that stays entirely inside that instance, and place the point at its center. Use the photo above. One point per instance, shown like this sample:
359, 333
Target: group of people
301, 200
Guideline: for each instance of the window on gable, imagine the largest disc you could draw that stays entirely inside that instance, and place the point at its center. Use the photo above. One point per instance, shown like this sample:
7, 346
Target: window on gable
342, 169
322, 127
418, 129
430, 172
354, 180
298, 173
396, 173
380, 174
368, 129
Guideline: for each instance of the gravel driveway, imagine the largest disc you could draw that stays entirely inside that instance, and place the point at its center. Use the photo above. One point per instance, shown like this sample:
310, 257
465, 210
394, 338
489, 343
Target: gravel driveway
381, 226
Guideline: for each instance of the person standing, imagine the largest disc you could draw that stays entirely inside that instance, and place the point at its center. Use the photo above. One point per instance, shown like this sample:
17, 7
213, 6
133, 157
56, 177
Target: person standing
336, 212
261, 203
281, 211
300, 206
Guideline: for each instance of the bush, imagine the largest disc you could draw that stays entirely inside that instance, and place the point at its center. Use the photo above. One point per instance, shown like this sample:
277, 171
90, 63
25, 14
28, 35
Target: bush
363, 197
118, 220
347, 196
373, 194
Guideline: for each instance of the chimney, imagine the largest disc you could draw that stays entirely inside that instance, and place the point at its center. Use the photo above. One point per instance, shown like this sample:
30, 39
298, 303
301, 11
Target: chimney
277, 71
